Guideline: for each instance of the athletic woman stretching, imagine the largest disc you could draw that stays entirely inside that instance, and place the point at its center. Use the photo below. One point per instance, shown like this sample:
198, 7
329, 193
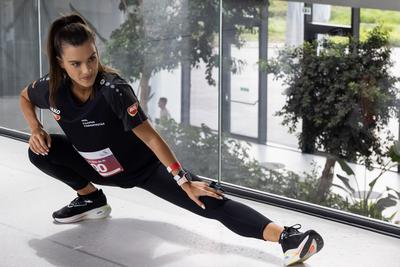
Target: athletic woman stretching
109, 141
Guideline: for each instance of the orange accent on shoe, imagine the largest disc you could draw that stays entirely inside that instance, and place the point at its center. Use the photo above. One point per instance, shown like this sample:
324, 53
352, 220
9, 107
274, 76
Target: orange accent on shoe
312, 249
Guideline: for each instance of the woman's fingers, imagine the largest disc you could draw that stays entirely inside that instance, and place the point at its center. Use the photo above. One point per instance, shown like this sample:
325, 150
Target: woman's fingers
198, 189
41, 144
197, 201
38, 145
35, 148
32, 146
48, 140
212, 192
216, 195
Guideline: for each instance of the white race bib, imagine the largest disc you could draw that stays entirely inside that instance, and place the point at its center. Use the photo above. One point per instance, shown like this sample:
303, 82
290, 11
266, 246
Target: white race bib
103, 161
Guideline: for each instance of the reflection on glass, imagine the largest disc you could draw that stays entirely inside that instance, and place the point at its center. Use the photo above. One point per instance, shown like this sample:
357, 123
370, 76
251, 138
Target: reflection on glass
285, 27
167, 49
332, 15
18, 58
335, 102
389, 176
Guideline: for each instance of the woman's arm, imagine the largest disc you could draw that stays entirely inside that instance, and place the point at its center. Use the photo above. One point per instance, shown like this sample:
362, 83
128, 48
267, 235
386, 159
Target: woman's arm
154, 141
40, 141
28, 109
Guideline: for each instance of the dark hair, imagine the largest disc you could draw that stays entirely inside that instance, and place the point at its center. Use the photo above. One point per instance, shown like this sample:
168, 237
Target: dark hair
71, 29
163, 99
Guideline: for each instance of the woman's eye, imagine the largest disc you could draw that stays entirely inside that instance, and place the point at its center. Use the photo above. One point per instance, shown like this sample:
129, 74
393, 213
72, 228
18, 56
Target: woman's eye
92, 59
75, 64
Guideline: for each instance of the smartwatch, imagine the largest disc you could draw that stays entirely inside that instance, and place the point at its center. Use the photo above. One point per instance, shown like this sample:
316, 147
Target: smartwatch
182, 177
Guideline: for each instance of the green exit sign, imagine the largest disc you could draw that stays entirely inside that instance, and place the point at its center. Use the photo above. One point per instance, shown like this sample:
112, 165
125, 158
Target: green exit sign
244, 89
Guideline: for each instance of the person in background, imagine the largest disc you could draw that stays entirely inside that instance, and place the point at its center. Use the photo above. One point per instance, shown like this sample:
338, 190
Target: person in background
164, 113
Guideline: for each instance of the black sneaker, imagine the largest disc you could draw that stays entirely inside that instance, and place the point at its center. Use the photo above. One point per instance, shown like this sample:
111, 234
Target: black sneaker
297, 246
82, 208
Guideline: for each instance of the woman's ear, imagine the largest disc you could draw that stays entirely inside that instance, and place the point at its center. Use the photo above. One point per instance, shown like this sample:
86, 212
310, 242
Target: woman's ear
60, 62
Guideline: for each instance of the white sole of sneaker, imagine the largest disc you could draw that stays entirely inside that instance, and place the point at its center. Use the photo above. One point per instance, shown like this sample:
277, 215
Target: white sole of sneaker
312, 244
98, 213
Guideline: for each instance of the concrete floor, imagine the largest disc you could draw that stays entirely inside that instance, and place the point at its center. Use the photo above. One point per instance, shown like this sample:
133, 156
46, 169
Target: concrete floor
147, 231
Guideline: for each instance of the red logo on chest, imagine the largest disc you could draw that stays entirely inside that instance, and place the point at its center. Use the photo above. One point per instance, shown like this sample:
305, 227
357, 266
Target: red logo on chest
132, 110
56, 113
57, 117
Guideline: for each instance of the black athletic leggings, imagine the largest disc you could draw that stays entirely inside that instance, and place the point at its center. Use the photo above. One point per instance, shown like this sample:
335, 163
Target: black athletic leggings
66, 165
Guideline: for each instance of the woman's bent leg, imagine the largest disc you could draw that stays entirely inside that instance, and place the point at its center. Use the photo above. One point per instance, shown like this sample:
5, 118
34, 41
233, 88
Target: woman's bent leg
66, 165
63, 163
236, 216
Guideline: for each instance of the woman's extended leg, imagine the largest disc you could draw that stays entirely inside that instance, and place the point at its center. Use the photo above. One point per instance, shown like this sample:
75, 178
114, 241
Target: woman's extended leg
236, 216
239, 218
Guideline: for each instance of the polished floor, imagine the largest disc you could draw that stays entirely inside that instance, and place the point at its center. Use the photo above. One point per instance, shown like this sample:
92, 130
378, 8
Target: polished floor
147, 231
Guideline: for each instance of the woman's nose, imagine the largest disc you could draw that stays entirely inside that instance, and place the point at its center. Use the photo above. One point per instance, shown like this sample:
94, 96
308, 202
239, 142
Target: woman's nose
86, 69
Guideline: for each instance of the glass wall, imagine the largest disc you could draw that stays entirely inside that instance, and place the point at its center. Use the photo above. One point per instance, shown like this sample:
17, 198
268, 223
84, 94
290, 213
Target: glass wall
316, 135
19, 54
331, 116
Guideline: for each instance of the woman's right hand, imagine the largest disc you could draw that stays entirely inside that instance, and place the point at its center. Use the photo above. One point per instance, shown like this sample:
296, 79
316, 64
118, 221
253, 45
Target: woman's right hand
40, 141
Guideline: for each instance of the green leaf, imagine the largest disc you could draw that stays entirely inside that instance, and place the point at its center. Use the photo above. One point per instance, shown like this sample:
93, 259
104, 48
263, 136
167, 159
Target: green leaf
373, 182
345, 181
397, 192
345, 167
396, 147
394, 152
384, 203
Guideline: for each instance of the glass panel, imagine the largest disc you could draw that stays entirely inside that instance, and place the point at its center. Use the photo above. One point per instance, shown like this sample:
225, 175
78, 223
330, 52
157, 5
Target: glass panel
343, 110
242, 23
19, 53
195, 91
334, 115
244, 85
204, 76
334, 15
285, 27
390, 178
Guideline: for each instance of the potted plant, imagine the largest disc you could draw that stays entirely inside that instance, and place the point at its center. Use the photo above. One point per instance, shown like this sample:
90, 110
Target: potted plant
361, 202
343, 93
197, 149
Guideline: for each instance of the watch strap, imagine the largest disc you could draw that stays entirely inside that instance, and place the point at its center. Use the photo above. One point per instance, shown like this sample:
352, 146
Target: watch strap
173, 167
182, 177
182, 180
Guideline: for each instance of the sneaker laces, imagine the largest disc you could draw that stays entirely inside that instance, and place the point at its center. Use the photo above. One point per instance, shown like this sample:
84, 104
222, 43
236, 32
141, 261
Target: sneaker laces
288, 230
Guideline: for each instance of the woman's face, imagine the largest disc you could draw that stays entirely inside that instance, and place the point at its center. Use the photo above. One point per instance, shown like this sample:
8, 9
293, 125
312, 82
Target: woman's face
81, 63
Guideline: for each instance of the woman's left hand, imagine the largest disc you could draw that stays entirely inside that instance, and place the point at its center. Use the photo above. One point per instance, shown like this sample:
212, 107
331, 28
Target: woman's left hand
195, 189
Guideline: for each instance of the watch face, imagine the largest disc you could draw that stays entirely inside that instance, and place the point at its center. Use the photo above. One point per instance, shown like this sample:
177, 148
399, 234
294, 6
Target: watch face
183, 173
182, 181
187, 176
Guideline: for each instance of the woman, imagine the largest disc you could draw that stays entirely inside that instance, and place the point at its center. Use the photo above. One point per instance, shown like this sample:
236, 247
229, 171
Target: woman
109, 141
